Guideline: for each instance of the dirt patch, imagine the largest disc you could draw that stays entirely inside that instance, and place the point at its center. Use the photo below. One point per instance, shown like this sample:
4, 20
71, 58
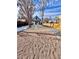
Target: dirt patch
37, 46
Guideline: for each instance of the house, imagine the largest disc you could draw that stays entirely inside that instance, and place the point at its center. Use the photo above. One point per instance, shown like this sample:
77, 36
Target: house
21, 22
37, 20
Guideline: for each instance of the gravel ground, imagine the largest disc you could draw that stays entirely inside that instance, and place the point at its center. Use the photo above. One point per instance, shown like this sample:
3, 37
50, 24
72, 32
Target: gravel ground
37, 46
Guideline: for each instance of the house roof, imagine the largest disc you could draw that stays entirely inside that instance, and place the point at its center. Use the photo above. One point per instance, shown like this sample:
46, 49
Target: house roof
36, 18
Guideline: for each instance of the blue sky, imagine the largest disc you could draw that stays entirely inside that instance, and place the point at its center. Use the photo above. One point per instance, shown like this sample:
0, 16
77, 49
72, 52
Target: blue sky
52, 9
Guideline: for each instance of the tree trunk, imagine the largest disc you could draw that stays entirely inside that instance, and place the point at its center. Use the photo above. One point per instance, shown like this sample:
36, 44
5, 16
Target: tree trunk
29, 18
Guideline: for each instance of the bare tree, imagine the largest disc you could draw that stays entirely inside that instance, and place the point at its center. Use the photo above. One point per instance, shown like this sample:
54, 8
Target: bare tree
26, 9
42, 5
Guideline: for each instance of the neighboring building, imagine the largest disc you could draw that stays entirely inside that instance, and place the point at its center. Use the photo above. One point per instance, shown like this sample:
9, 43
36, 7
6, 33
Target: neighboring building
36, 19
